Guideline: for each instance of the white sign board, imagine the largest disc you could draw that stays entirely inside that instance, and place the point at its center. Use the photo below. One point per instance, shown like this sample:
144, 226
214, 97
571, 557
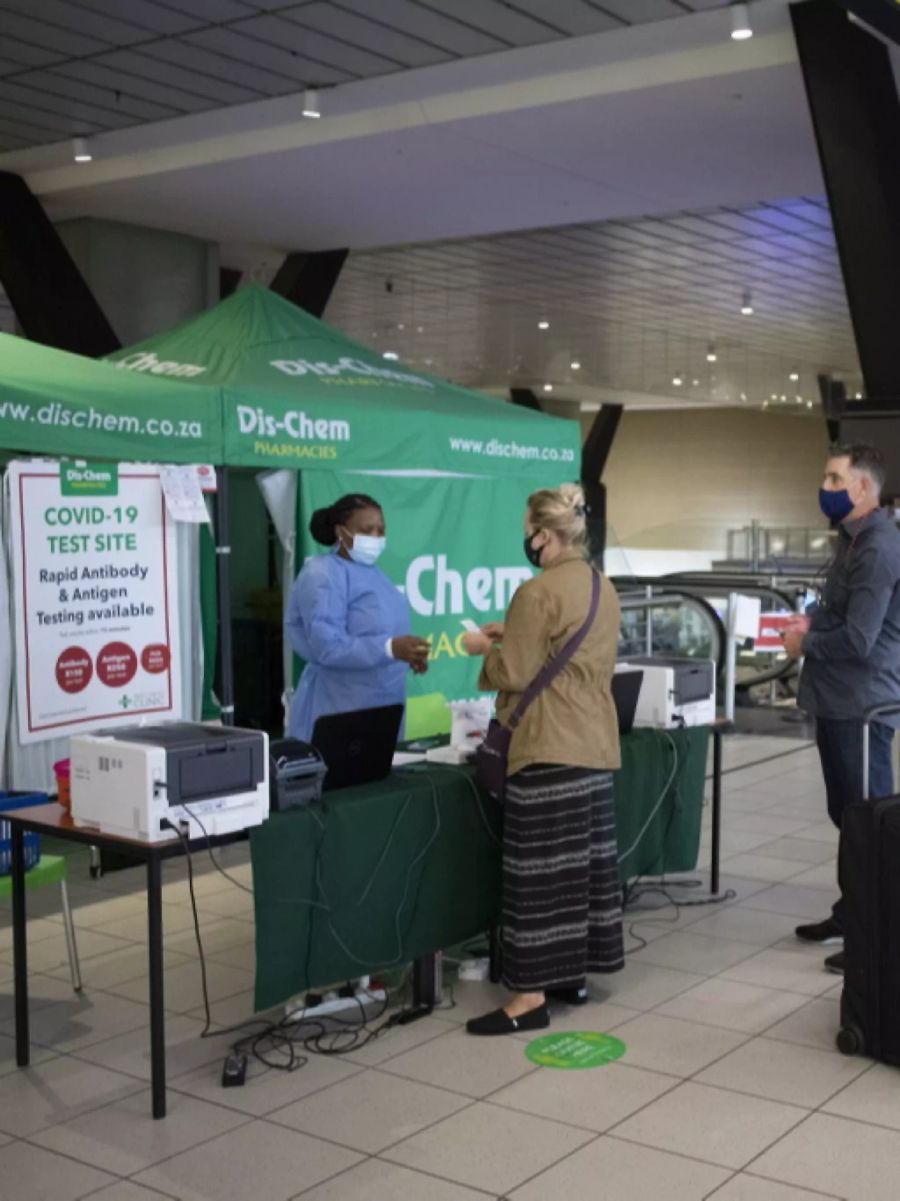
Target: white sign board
95, 597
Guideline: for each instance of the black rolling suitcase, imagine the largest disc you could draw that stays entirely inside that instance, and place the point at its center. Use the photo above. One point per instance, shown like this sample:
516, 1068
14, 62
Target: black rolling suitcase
870, 880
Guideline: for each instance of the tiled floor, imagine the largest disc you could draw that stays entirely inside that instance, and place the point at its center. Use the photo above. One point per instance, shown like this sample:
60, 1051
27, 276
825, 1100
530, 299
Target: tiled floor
730, 1087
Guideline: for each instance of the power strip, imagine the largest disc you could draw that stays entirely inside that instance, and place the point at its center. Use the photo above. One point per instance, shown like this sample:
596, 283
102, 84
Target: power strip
295, 1009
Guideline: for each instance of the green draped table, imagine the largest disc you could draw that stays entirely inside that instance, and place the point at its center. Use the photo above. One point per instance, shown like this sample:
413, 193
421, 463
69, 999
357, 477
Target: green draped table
379, 876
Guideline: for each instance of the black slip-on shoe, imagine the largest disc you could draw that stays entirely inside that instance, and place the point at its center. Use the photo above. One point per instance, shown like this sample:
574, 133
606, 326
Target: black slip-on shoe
825, 933
499, 1022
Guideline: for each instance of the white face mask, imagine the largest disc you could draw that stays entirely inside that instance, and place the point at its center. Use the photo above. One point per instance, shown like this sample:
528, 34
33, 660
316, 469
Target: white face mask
366, 549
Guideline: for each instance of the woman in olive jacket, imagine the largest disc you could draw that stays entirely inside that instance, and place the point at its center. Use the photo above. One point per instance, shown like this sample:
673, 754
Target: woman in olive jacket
561, 915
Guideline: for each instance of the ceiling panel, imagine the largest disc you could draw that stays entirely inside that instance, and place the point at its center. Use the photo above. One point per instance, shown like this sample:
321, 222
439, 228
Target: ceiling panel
430, 25
501, 20
65, 40
97, 71
631, 301
106, 28
108, 43
282, 62
282, 31
360, 32
218, 66
182, 81
577, 18
47, 87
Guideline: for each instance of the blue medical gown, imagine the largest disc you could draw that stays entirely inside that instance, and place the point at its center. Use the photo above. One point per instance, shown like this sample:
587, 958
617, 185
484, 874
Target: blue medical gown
339, 617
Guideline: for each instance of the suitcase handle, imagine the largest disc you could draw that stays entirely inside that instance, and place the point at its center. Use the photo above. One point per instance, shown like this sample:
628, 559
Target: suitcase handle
890, 709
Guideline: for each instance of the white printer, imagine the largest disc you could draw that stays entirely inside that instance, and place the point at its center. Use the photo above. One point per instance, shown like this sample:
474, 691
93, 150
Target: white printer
675, 692
134, 780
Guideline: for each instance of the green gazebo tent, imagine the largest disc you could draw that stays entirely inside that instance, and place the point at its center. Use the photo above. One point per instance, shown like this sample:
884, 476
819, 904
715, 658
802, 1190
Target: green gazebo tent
451, 467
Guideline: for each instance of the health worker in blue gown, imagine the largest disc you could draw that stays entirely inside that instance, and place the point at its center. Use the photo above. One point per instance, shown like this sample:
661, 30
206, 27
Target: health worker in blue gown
347, 621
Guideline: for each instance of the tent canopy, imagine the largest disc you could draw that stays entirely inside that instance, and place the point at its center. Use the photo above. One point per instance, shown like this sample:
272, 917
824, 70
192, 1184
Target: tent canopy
297, 393
56, 403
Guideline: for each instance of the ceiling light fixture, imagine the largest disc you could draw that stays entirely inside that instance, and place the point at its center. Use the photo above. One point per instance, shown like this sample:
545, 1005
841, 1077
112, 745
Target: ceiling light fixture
390, 354
741, 29
548, 387
677, 379
575, 365
809, 404
747, 303
711, 355
311, 103
794, 376
543, 325
80, 151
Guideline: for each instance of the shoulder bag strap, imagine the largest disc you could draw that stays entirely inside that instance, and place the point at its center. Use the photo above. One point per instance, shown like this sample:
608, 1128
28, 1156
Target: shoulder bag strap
553, 667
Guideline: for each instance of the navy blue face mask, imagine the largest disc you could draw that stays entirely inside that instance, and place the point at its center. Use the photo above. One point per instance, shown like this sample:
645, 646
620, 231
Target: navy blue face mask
835, 505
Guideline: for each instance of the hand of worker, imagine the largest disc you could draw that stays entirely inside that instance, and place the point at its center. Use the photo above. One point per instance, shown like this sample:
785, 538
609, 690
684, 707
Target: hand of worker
418, 667
477, 644
409, 648
493, 630
793, 642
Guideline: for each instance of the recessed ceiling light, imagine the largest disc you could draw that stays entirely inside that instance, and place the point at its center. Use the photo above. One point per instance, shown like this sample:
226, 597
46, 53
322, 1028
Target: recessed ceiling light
80, 151
543, 325
400, 325
857, 396
695, 383
677, 379
575, 365
809, 404
743, 396
799, 399
548, 387
711, 355
765, 404
741, 29
794, 376
390, 354
774, 396
311, 103
784, 400
747, 303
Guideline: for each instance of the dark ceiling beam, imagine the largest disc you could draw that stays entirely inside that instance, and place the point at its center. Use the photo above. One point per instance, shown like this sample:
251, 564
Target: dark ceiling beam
594, 454
307, 279
881, 15
49, 295
525, 398
855, 110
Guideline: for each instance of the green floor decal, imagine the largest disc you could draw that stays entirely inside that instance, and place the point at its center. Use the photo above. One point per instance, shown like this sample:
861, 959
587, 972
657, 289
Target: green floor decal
581, 1049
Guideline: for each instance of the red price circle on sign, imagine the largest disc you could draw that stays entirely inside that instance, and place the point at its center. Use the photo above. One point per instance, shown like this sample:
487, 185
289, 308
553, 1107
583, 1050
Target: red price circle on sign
74, 669
155, 658
116, 665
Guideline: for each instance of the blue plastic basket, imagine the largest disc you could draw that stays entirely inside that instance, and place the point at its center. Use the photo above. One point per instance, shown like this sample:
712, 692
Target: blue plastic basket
19, 800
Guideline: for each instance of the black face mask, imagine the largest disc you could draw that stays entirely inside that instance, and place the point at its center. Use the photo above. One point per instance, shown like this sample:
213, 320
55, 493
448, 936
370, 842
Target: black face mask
533, 556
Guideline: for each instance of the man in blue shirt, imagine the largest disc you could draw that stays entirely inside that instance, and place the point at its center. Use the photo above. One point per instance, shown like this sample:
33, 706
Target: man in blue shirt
850, 644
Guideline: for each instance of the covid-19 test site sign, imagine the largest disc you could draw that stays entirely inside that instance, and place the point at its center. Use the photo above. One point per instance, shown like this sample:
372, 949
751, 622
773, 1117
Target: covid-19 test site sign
95, 596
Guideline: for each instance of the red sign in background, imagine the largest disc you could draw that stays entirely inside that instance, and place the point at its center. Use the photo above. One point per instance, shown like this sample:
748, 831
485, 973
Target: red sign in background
771, 626
74, 669
116, 665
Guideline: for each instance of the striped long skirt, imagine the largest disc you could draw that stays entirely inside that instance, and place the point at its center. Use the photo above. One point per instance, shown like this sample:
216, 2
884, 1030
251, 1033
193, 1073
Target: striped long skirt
562, 904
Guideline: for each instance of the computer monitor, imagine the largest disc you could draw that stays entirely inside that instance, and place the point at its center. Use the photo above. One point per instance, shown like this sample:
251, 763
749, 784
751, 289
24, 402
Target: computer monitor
358, 747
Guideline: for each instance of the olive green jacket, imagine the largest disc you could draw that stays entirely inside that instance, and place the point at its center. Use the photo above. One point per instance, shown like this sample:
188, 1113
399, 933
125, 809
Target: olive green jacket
573, 721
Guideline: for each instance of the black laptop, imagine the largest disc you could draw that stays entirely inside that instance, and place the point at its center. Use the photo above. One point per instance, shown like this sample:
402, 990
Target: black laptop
357, 747
626, 688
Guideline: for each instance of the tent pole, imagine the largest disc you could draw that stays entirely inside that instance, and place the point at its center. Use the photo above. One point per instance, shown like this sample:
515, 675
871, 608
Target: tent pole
223, 565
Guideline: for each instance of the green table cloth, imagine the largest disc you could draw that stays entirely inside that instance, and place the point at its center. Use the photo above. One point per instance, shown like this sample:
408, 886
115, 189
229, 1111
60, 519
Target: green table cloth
377, 876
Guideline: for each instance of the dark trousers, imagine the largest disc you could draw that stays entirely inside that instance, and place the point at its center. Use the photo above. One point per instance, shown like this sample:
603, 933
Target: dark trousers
840, 746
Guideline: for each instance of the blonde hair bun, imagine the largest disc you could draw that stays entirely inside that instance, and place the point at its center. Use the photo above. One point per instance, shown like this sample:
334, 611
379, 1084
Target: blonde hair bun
561, 510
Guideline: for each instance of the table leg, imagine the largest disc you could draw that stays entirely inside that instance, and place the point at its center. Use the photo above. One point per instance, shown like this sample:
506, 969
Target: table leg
423, 982
157, 993
716, 813
20, 947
